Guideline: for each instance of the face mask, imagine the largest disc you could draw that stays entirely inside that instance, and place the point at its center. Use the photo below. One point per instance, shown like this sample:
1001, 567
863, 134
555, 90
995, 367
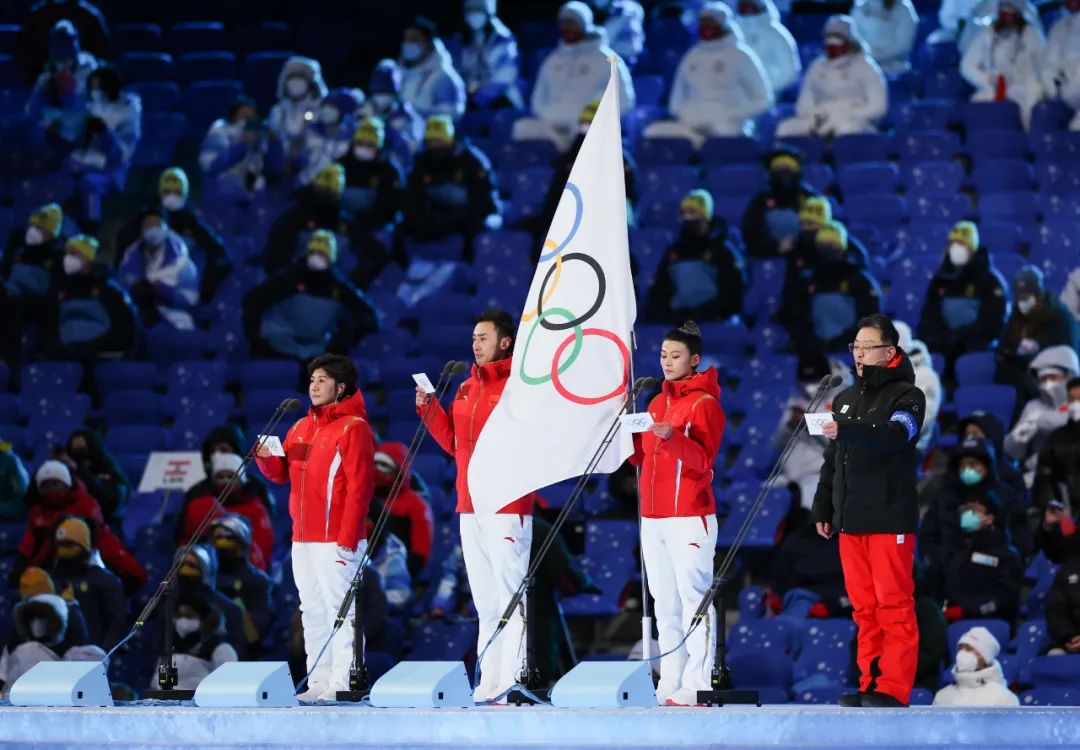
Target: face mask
970, 521
1054, 391
966, 661
783, 181
55, 498
1025, 305
411, 51
68, 551
691, 227
571, 35
34, 236
959, 255
39, 626
1074, 411
317, 262
835, 51
1010, 19
970, 476
72, 265
748, 9
382, 102
329, 116
475, 21
296, 87
709, 32
154, 236
185, 626
364, 153
172, 201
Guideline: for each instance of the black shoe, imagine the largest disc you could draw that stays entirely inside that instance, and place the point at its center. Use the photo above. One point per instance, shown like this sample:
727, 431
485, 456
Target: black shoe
880, 700
851, 700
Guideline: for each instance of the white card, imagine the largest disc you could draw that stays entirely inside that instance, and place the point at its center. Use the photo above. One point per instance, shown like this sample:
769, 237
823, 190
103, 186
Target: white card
815, 423
422, 380
273, 442
636, 422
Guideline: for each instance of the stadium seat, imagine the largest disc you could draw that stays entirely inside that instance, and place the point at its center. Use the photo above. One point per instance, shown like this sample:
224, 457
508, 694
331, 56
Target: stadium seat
998, 628
128, 407
818, 176
167, 345
208, 100
666, 183
195, 375
157, 96
731, 150
760, 669
9, 409
736, 179
160, 134
526, 154
925, 115
136, 439
1058, 176
197, 36
440, 640
136, 67
776, 635
868, 178
51, 376
189, 431
885, 211
63, 407
260, 76
995, 399
1003, 175
940, 208
928, 145
135, 37
1031, 640
1056, 145
216, 405
975, 368
982, 116
1019, 206
1002, 238
864, 147
751, 603
653, 152
207, 66
1051, 696
820, 694
1056, 671
278, 374
996, 144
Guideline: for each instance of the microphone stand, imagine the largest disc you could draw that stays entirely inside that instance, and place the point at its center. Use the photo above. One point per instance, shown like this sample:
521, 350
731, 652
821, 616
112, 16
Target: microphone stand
646, 606
722, 692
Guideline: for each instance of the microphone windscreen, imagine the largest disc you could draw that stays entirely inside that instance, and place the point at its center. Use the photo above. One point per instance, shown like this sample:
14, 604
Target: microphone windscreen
290, 404
835, 381
459, 368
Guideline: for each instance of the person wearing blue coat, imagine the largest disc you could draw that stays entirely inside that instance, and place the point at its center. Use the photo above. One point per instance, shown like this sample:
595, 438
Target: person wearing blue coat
159, 272
489, 58
429, 81
404, 125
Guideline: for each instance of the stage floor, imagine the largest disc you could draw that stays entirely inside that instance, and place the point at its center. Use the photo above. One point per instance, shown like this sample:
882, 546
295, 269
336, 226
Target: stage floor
134, 727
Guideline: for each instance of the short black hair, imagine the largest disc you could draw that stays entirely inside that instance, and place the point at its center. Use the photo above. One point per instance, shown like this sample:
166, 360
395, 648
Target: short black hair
889, 334
109, 79
425, 26
689, 334
1073, 383
504, 324
341, 369
239, 103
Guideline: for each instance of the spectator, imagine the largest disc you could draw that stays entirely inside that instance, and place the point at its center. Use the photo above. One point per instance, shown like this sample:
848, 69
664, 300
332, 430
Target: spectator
90, 462
489, 58
451, 188
198, 576
701, 277
32, 262
1054, 367
770, 224
805, 577
1057, 473
329, 137
99, 593
985, 425
1038, 319
300, 89
1062, 608
240, 155
983, 573
844, 91
35, 47
771, 42
965, 304
229, 438
317, 206
979, 679
158, 270
571, 76
888, 27
429, 81
410, 516
248, 586
954, 18
1061, 66
390, 560
624, 22
308, 308
1005, 58
927, 380
404, 125
803, 467
60, 93
13, 481
1070, 295
201, 642
720, 85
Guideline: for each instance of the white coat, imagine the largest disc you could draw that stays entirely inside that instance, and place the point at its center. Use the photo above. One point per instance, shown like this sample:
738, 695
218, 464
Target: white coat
1070, 295
839, 97
773, 44
1040, 417
572, 76
1015, 56
888, 32
1061, 70
625, 27
984, 687
489, 63
432, 86
290, 118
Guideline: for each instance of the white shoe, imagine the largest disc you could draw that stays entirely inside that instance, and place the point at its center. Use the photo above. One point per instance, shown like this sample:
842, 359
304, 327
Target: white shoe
328, 696
683, 697
310, 695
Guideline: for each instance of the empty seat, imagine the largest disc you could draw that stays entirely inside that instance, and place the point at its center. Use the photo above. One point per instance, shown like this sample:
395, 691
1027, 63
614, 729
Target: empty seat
940, 208
62, 407
133, 408
928, 145
1001, 175
207, 101
522, 154
925, 115
260, 75
868, 178
161, 132
995, 399
1018, 206
933, 177
731, 150
135, 37
975, 368
136, 67
136, 439
862, 147
157, 96
207, 66
736, 179
51, 376
997, 144
197, 36
659, 151
666, 183
884, 211
1001, 116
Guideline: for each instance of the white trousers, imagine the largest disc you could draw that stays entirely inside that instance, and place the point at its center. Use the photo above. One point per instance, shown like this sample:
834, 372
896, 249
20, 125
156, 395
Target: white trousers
839, 123
496, 549
562, 134
322, 580
678, 555
697, 135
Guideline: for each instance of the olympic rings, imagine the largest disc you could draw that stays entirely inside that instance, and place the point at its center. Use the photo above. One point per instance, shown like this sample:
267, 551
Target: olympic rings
554, 285
590, 400
577, 336
578, 210
601, 281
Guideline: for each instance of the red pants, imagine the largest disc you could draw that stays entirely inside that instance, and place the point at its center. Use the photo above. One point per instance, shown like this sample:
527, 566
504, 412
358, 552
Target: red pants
878, 578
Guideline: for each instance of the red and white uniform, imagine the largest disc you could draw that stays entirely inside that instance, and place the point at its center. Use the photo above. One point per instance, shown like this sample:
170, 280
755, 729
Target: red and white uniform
495, 545
678, 526
329, 461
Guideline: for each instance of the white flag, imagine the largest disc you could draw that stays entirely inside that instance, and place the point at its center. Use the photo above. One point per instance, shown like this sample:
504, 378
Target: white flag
572, 352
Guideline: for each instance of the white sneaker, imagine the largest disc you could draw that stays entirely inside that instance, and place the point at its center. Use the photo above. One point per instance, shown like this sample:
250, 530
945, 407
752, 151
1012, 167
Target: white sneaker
328, 696
310, 695
683, 697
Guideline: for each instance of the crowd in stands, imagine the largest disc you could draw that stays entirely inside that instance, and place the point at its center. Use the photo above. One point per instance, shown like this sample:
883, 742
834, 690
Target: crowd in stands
191, 214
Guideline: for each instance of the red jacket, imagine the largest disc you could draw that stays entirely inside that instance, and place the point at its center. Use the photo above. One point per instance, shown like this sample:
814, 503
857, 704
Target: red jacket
677, 473
249, 505
411, 510
458, 432
329, 460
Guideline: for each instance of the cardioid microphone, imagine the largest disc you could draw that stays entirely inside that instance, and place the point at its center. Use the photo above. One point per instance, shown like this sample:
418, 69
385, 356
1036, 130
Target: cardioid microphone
289, 404
645, 383
458, 368
831, 381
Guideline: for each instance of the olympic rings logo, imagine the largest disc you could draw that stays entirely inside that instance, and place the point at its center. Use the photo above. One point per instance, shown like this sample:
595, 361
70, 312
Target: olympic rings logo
541, 317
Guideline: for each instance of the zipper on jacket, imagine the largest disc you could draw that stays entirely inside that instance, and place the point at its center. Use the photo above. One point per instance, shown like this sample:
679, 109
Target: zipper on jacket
303, 473
656, 454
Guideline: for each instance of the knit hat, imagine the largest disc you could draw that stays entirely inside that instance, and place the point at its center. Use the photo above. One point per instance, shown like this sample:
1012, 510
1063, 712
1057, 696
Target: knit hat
330, 179
966, 233
35, 581
173, 180
370, 132
235, 526
84, 245
816, 210
52, 469
589, 113
230, 461
832, 233
784, 158
718, 13
1027, 281
577, 11
439, 128
386, 78
49, 218
488, 6
984, 643
699, 200
323, 241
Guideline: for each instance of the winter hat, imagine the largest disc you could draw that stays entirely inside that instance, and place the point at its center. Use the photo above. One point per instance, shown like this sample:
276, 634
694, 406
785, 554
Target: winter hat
966, 233
35, 581
385, 78
905, 335
439, 128
816, 209
231, 461
324, 242
370, 132
84, 245
331, 179
589, 113
718, 13
235, 526
832, 233
63, 42
75, 530
1028, 280
173, 180
784, 158
1056, 359
984, 643
53, 470
49, 218
843, 29
346, 101
382, 457
577, 11
488, 6
699, 200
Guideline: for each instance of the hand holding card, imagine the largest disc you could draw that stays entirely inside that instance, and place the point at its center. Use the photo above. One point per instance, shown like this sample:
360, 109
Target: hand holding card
273, 444
634, 423
422, 380
815, 423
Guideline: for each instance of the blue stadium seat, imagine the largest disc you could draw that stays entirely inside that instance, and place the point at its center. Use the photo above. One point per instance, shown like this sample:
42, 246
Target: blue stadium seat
197, 36
648, 245
885, 211
649, 90
1057, 205
260, 76
863, 147
502, 249
980, 116
195, 375
666, 183
751, 603
9, 33
824, 694
133, 408
1019, 206
62, 407
1007, 263
905, 300
451, 248
736, 179
925, 115
995, 399
526, 154
868, 178
1051, 696
136, 67
207, 100
166, 344
135, 37
207, 66
51, 376
928, 145
1059, 671
975, 368
218, 406
818, 176
16, 436
731, 150
1056, 145
160, 134
763, 529
996, 144
664, 151
42, 434
189, 431
262, 36
1031, 640
157, 96
528, 181
1002, 238
279, 374
437, 639
811, 147
921, 697
1058, 176
757, 636
9, 408
1001, 175
11, 76
940, 208
761, 669
136, 439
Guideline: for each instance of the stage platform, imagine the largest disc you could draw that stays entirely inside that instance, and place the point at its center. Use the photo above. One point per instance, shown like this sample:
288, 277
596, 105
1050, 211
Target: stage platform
140, 726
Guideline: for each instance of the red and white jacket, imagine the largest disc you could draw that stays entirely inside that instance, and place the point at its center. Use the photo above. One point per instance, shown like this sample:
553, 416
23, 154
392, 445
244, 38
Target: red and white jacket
329, 460
677, 473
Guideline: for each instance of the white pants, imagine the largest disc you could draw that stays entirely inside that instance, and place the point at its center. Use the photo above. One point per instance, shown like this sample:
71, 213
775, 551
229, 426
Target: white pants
839, 123
496, 550
678, 555
697, 135
322, 580
562, 134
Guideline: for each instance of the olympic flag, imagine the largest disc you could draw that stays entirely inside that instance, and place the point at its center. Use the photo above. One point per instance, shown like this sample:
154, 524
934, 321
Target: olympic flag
572, 352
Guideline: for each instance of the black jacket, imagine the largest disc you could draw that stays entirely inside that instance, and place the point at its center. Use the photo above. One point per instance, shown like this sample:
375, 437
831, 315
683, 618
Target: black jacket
309, 212
250, 588
1051, 324
1062, 609
385, 180
867, 483
1008, 469
101, 599
100, 286
713, 251
756, 237
983, 576
846, 278
1057, 476
429, 215
806, 561
978, 281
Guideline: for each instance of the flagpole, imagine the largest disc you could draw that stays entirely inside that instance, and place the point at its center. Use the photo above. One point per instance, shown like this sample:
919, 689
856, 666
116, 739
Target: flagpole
646, 613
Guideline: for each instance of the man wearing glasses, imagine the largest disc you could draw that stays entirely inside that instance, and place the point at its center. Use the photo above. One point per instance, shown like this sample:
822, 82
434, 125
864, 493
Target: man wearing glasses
867, 494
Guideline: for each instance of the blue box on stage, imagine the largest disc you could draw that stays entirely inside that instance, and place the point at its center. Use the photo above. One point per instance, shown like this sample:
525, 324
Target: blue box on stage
605, 684
63, 683
423, 684
248, 684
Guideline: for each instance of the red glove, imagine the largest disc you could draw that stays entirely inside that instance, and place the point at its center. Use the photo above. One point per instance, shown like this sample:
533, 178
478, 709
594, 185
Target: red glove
818, 610
1068, 526
954, 613
773, 603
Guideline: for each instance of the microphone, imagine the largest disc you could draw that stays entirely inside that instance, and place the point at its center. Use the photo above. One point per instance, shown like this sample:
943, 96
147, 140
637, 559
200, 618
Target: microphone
644, 383
831, 381
289, 404
458, 368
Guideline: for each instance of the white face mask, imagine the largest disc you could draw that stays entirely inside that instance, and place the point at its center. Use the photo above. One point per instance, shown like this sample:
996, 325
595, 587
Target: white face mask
296, 87
34, 236
39, 626
475, 20
364, 153
1055, 392
966, 661
1074, 411
411, 51
172, 201
185, 626
959, 254
154, 236
1025, 305
72, 265
329, 116
382, 102
317, 262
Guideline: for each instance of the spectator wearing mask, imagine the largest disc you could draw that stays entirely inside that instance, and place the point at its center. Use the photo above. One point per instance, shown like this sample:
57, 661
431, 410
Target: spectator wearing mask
90, 462
720, 85
1061, 65
888, 27
979, 679
1053, 367
197, 576
240, 580
983, 573
429, 81
228, 438
1057, 473
985, 425
814, 213
31, 264
843, 92
330, 136
300, 88
771, 42
966, 301
60, 93
158, 271
624, 22
1038, 319
308, 308
35, 47
317, 206
927, 380
239, 154
201, 642
404, 125
451, 188
576, 72
410, 516
99, 593
13, 481
770, 224
1005, 58
700, 277
489, 58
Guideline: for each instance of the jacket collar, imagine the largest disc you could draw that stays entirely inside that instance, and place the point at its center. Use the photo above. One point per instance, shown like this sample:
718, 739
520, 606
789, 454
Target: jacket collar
705, 382
493, 371
898, 369
991, 675
353, 406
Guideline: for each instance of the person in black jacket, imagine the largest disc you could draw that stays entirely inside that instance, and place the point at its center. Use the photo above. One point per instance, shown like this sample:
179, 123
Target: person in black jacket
198, 576
983, 574
700, 276
317, 206
770, 224
226, 438
87, 457
98, 591
1057, 475
806, 564
241, 581
867, 494
1062, 610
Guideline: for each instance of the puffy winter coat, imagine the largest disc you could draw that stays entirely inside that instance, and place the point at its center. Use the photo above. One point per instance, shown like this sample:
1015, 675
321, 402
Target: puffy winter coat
888, 32
432, 85
983, 687
1062, 609
575, 74
773, 44
983, 576
851, 87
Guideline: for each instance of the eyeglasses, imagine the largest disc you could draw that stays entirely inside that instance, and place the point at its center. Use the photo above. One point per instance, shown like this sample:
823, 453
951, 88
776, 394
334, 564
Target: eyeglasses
866, 348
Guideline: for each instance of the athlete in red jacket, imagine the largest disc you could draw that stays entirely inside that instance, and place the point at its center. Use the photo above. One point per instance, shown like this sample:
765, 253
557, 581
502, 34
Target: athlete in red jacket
495, 546
678, 524
329, 462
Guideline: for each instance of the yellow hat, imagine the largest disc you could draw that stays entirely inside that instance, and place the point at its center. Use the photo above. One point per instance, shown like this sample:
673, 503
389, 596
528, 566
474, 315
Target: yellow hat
832, 233
699, 200
34, 581
439, 128
323, 242
370, 132
74, 530
816, 210
785, 161
589, 113
84, 245
49, 218
331, 179
967, 233
173, 180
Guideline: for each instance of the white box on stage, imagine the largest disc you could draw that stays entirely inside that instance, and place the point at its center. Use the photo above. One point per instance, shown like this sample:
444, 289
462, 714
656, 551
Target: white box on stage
63, 683
605, 684
248, 684
423, 684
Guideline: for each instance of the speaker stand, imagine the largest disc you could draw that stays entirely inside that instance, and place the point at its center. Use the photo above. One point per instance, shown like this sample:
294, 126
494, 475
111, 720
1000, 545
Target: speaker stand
168, 678
722, 692
359, 685
530, 677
